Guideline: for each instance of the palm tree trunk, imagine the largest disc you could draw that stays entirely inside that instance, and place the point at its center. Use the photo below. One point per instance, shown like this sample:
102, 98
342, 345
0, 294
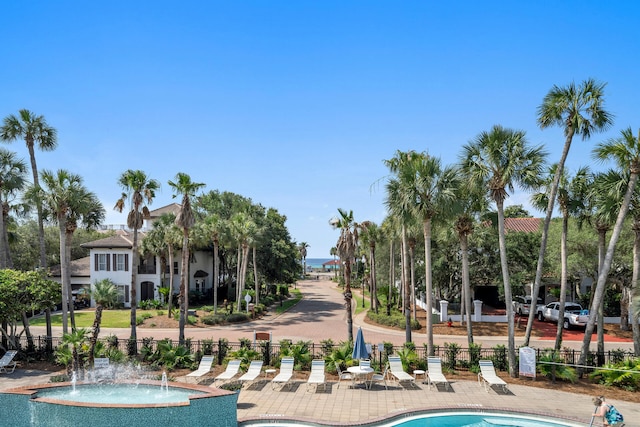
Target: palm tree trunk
184, 287
4, 247
347, 298
426, 225
63, 273
464, 248
413, 282
216, 276
508, 298
134, 275
634, 286
96, 331
392, 275
535, 290
406, 300
171, 279
604, 273
563, 281
67, 260
255, 276
600, 310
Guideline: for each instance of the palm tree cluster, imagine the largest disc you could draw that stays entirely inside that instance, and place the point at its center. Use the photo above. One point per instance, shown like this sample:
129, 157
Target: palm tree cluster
424, 197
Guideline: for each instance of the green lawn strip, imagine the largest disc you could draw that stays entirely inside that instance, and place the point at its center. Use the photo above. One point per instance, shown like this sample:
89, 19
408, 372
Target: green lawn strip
84, 319
357, 300
287, 304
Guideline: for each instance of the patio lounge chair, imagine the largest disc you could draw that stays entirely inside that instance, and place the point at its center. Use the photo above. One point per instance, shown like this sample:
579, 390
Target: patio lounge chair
203, 368
7, 360
380, 377
317, 374
488, 376
286, 372
254, 371
232, 370
435, 375
398, 372
347, 376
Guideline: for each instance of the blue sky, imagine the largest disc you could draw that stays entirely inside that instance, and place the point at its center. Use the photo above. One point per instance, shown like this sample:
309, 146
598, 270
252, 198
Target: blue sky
297, 104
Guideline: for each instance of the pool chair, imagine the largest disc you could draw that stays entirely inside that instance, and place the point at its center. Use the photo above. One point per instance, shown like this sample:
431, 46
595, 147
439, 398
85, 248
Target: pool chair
203, 369
7, 361
254, 371
398, 372
346, 376
434, 373
488, 377
380, 377
317, 374
232, 370
284, 376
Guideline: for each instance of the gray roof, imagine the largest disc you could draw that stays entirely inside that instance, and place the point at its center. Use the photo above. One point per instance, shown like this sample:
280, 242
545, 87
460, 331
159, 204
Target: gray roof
173, 208
124, 240
79, 268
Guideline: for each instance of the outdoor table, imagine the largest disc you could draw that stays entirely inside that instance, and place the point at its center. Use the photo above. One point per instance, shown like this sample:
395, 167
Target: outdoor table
418, 372
361, 372
269, 373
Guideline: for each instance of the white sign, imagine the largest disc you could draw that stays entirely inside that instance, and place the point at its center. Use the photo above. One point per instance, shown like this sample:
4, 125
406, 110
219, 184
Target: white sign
247, 299
527, 362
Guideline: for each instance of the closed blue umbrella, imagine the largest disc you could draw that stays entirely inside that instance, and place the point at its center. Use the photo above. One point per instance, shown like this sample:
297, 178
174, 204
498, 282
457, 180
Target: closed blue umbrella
360, 348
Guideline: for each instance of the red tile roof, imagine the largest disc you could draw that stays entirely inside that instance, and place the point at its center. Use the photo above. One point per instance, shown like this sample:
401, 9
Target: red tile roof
523, 225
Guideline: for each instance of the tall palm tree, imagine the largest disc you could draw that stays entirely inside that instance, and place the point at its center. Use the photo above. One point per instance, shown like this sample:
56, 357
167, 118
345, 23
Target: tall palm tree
35, 131
139, 191
13, 172
432, 195
501, 159
578, 110
302, 247
105, 294
185, 187
370, 235
334, 252
214, 226
571, 195
471, 201
347, 246
60, 195
244, 230
625, 152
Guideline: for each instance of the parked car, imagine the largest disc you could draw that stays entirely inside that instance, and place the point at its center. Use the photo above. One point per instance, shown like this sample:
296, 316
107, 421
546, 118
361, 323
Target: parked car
574, 315
522, 305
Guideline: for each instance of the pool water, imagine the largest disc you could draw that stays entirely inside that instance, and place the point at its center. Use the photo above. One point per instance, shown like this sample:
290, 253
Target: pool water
119, 394
454, 419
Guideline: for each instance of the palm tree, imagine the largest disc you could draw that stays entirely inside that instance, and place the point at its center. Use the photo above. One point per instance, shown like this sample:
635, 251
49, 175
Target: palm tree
183, 186
214, 225
61, 193
347, 245
625, 151
244, 230
502, 158
34, 130
432, 195
138, 189
302, 247
371, 234
105, 294
333, 252
13, 173
578, 110
571, 195
471, 200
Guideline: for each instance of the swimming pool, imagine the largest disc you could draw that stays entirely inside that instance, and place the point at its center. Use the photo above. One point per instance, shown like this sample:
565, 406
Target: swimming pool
449, 419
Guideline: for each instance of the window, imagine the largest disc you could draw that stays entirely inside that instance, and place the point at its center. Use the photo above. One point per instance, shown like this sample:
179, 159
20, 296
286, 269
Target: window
175, 267
120, 262
101, 262
123, 294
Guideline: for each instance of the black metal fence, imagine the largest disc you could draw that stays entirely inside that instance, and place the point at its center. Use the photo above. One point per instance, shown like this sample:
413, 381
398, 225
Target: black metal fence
452, 355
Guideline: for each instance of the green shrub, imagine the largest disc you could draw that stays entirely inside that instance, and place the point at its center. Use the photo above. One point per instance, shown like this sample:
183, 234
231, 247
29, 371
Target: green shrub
396, 320
214, 319
237, 317
624, 375
555, 368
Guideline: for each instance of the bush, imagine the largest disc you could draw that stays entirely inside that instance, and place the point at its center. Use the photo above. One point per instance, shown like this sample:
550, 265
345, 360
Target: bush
624, 375
213, 319
144, 316
396, 320
555, 369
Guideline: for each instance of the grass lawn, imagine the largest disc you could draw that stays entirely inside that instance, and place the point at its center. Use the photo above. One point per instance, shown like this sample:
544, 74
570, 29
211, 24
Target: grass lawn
84, 319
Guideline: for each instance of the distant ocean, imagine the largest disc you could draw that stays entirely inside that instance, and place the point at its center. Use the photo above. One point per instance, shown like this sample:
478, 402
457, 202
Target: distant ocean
317, 262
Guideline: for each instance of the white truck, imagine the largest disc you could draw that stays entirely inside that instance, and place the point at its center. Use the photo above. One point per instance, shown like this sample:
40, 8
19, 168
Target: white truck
574, 315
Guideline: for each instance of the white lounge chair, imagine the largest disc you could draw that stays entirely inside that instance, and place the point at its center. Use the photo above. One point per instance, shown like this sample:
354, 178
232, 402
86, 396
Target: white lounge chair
380, 377
231, 371
254, 371
346, 376
317, 376
203, 369
285, 374
7, 360
434, 373
398, 372
488, 376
